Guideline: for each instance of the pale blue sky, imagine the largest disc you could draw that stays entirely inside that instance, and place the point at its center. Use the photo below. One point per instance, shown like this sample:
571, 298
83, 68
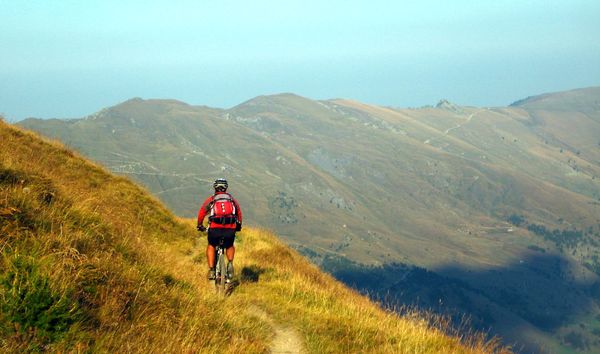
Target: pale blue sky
72, 58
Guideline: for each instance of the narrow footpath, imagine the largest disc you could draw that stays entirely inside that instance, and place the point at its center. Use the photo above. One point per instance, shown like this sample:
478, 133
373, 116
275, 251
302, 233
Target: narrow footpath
286, 341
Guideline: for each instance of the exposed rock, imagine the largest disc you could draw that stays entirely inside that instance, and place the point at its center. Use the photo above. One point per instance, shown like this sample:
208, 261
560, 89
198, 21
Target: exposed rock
448, 106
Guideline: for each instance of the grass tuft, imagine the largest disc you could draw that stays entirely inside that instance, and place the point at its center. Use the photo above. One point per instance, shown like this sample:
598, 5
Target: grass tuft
33, 314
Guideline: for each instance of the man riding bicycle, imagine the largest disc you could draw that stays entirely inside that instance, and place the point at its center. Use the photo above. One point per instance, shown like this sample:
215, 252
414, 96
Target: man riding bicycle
225, 218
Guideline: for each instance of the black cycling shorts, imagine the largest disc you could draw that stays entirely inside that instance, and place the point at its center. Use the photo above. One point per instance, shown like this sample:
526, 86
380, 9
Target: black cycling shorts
215, 234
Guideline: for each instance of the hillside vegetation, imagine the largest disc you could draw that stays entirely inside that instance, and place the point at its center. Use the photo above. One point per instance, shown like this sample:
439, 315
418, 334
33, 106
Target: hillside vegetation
90, 261
500, 205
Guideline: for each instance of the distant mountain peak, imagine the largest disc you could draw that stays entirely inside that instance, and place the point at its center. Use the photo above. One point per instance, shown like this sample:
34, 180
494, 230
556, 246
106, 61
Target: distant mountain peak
586, 99
529, 99
448, 106
278, 98
283, 95
154, 101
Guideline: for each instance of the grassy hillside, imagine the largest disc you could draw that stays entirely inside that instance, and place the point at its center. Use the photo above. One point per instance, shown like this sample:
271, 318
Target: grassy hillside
443, 175
90, 261
491, 200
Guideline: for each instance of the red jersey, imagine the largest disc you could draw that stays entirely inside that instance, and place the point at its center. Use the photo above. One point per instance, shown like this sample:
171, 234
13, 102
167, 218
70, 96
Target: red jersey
205, 209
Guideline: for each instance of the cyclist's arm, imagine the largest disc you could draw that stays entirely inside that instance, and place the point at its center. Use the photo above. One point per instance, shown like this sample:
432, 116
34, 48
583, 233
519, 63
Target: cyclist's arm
238, 211
203, 211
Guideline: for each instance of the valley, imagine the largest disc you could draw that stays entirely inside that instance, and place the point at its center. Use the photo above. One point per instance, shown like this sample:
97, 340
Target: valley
493, 212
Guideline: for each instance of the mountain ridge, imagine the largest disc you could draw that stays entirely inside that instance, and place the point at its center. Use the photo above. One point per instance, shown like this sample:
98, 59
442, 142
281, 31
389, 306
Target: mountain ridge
571, 95
92, 262
479, 188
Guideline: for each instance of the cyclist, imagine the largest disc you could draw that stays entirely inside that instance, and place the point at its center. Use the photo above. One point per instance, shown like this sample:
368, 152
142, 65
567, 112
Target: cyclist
225, 218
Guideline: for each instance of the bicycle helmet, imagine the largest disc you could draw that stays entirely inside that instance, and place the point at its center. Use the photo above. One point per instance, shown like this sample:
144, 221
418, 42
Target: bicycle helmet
220, 185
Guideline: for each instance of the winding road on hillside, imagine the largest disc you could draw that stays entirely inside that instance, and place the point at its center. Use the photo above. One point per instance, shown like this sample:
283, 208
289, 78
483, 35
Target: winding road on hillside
428, 141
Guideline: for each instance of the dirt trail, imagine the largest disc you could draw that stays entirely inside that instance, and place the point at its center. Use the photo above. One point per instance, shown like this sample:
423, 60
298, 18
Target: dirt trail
286, 341
461, 124
428, 141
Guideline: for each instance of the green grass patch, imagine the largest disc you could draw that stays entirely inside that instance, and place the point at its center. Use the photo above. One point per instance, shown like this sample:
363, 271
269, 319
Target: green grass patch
32, 312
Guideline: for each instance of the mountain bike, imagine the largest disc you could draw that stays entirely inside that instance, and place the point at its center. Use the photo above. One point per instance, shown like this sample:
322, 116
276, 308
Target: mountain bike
221, 284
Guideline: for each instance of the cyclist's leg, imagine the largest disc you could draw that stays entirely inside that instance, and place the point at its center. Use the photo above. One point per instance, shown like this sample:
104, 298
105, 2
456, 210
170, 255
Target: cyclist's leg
230, 253
213, 241
210, 255
229, 238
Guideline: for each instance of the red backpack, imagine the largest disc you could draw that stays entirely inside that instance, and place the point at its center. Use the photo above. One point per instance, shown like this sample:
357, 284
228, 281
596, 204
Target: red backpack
222, 209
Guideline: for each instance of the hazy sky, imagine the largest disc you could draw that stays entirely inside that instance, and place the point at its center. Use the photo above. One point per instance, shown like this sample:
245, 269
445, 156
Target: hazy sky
72, 58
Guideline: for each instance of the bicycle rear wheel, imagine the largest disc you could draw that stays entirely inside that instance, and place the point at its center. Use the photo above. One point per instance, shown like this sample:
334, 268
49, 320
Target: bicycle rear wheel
221, 271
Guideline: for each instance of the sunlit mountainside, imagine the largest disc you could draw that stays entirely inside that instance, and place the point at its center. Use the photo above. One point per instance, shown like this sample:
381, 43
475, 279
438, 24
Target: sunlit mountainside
489, 211
93, 263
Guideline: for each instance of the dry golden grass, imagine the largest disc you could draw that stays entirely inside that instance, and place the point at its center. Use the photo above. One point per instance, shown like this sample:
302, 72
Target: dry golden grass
92, 262
331, 317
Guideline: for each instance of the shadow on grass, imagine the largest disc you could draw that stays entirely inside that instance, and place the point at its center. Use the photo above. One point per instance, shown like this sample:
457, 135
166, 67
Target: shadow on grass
251, 274
539, 290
